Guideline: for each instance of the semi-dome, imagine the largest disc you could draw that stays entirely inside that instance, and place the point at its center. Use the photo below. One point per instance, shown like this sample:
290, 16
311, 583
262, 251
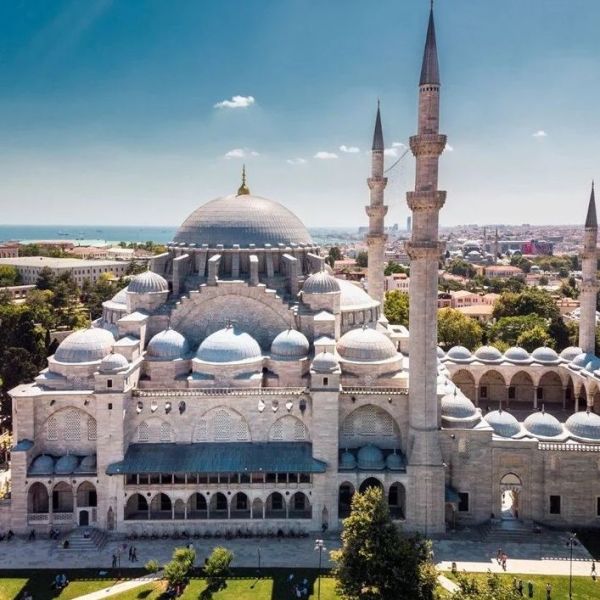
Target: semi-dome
229, 345
370, 458
457, 406
347, 460
545, 355
121, 296
584, 424
147, 282
66, 465
168, 345
459, 354
503, 423
113, 362
321, 283
366, 345
488, 354
42, 465
394, 462
85, 345
290, 344
243, 220
353, 297
517, 355
543, 424
325, 362
570, 353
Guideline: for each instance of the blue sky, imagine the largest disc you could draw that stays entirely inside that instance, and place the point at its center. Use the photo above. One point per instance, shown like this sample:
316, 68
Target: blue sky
107, 108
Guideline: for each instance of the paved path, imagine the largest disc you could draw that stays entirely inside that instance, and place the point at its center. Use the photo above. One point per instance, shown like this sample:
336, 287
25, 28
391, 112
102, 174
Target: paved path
117, 588
447, 584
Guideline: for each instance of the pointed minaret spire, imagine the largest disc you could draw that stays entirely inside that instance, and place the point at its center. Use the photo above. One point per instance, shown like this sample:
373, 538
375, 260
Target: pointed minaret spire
378, 133
590, 220
430, 72
243, 190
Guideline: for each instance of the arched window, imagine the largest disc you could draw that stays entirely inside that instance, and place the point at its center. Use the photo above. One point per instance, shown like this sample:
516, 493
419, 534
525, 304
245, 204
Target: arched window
277, 431
73, 426
299, 430
165, 432
143, 432
52, 429
222, 426
92, 429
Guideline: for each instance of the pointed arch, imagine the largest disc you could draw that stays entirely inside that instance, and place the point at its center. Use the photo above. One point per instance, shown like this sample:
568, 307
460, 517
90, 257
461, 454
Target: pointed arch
370, 424
288, 428
221, 424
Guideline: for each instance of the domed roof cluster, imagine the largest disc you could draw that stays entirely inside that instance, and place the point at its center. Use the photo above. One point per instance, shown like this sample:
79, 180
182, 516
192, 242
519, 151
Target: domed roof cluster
366, 345
242, 219
584, 425
543, 424
168, 345
229, 345
44, 464
113, 362
321, 283
515, 355
586, 361
371, 458
148, 282
85, 345
290, 344
503, 423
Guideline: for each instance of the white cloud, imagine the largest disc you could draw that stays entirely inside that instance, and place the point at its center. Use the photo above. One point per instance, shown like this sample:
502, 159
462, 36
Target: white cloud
398, 145
296, 161
325, 155
349, 149
540, 133
390, 152
449, 148
240, 153
236, 102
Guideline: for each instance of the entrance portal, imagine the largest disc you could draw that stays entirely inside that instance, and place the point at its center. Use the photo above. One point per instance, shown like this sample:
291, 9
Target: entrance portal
84, 518
510, 501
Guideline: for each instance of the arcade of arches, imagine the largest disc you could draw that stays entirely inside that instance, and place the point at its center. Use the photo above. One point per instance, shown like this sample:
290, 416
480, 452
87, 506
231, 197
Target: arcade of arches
396, 497
64, 503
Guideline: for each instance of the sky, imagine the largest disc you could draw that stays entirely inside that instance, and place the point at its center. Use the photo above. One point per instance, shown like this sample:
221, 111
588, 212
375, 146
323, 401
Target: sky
139, 111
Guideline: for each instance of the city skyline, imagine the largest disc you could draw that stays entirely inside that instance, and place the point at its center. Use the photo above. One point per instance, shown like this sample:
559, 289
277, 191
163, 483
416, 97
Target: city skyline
166, 113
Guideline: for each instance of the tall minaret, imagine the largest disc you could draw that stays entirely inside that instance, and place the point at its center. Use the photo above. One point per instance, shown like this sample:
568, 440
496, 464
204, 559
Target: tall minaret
496, 246
376, 212
589, 284
425, 468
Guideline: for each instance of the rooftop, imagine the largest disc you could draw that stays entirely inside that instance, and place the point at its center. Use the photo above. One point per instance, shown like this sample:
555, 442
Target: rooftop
57, 263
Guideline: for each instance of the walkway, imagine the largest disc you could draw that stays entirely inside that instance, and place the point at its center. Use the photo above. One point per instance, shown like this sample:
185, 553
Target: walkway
117, 588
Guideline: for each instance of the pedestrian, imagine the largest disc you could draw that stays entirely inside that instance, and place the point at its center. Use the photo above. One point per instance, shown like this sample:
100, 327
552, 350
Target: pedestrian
593, 570
134, 555
499, 555
530, 589
504, 559
114, 561
130, 557
520, 587
548, 592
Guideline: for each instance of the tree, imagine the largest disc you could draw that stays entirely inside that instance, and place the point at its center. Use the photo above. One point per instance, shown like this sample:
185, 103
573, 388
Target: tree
9, 275
362, 259
45, 280
529, 301
456, 329
508, 329
377, 562
462, 268
395, 267
543, 280
177, 569
396, 307
493, 588
520, 261
534, 338
334, 254
217, 567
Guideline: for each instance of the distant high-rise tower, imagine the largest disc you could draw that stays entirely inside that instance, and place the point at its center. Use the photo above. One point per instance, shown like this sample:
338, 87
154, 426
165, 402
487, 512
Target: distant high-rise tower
589, 284
408, 223
425, 468
376, 212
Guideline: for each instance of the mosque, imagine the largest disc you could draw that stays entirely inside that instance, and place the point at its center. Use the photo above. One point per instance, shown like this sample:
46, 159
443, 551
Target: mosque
238, 386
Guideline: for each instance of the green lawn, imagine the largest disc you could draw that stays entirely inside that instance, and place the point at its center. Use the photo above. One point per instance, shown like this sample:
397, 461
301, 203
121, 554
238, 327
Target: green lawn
584, 588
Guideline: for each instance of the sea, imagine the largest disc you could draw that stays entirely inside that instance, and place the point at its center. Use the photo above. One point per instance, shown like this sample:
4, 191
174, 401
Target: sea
98, 235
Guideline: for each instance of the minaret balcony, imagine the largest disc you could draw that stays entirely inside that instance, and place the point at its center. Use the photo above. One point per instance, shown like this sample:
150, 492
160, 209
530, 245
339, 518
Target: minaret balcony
424, 250
426, 200
374, 239
379, 210
377, 183
427, 144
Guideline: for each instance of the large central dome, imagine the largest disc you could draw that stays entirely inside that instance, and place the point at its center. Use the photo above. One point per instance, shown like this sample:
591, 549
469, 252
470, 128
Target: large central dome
243, 219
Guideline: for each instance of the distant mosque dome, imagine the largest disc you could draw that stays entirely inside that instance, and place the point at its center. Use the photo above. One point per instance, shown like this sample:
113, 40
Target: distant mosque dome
584, 425
147, 282
168, 345
85, 345
366, 345
113, 362
229, 345
543, 424
321, 283
503, 423
290, 344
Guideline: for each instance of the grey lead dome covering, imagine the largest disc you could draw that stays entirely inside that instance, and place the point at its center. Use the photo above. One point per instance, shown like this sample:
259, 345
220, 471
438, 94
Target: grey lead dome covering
85, 345
366, 345
228, 345
242, 220
584, 425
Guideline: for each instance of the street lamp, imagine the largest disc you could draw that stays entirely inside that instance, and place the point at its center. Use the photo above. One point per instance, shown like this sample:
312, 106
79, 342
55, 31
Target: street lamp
572, 538
320, 546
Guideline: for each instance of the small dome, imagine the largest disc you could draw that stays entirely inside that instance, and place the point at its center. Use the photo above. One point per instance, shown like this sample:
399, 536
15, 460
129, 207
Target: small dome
366, 345
488, 354
370, 458
459, 354
503, 423
290, 344
348, 460
113, 362
168, 345
325, 362
229, 345
570, 353
87, 464
321, 283
66, 465
394, 462
440, 353
457, 406
581, 360
42, 465
121, 296
85, 345
543, 424
584, 424
147, 282
545, 355
517, 355
592, 364
354, 297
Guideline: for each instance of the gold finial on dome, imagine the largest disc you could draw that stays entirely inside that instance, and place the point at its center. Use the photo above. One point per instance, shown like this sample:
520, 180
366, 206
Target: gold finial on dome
243, 190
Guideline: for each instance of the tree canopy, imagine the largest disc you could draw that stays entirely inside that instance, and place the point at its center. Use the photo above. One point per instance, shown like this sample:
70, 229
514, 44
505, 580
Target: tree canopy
396, 307
456, 329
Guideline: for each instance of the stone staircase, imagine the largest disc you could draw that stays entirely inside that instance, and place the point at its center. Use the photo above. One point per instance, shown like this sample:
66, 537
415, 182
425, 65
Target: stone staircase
84, 539
513, 532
